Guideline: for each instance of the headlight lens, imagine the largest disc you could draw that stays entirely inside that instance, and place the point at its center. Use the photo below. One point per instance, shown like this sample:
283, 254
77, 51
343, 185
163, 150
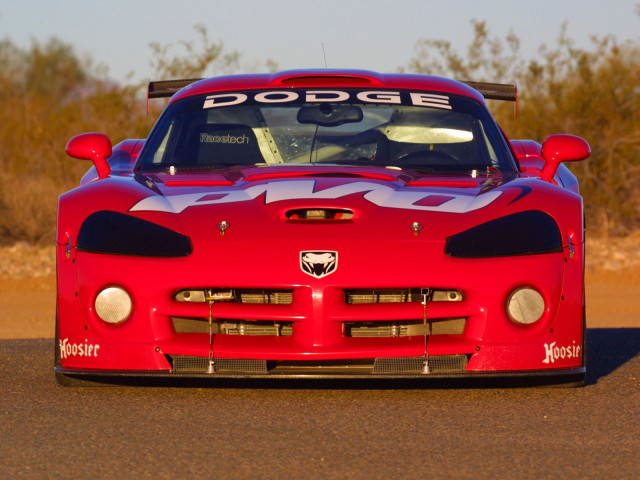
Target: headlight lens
524, 233
525, 306
113, 305
120, 234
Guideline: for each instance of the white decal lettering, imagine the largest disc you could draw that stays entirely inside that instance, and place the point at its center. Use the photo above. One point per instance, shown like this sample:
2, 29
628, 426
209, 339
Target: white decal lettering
553, 352
430, 100
276, 97
378, 194
77, 349
218, 100
379, 97
548, 349
417, 99
326, 96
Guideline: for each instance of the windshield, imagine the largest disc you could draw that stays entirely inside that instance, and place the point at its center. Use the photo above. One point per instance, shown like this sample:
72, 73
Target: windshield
401, 129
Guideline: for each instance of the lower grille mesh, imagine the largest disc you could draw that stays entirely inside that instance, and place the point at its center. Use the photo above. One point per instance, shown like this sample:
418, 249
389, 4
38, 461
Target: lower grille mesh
394, 365
437, 364
184, 363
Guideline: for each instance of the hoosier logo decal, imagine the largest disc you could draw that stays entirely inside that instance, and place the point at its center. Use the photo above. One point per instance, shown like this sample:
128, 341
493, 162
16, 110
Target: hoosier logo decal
553, 352
69, 349
318, 264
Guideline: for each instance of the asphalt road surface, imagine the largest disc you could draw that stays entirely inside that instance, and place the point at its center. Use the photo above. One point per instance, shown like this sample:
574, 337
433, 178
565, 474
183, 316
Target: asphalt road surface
329, 430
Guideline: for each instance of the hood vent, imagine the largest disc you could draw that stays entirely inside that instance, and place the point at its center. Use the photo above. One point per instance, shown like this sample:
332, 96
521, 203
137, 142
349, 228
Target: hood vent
319, 214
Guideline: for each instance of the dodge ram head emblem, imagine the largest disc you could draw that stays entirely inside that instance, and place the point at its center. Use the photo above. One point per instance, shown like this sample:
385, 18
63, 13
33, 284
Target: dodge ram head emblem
318, 264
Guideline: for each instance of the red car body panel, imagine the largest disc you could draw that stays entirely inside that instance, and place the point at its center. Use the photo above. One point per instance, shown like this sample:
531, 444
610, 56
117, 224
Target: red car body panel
378, 248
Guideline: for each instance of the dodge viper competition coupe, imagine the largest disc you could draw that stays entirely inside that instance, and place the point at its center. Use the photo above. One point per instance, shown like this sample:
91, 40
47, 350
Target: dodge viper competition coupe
323, 224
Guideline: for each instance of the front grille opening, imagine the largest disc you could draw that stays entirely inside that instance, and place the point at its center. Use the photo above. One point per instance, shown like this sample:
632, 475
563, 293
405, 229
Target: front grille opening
236, 295
232, 327
405, 328
387, 295
319, 214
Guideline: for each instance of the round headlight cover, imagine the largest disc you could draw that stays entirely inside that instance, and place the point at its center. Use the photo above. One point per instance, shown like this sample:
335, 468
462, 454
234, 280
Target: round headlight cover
113, 305
525, 306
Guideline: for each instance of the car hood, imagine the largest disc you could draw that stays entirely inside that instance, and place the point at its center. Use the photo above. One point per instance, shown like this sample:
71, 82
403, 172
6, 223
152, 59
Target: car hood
357, 187
372, 201
324, 205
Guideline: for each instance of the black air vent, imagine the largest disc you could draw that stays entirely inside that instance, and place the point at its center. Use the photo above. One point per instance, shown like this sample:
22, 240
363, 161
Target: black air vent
320, 214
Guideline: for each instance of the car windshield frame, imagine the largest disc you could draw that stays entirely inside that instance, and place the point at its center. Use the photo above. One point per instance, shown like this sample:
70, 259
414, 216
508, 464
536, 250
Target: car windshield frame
393, 128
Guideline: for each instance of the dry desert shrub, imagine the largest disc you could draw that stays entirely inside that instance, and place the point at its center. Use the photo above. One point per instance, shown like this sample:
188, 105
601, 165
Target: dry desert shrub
28, 204
48, 94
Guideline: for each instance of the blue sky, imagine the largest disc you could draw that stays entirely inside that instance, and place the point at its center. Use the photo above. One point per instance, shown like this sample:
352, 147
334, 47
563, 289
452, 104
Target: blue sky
372, 34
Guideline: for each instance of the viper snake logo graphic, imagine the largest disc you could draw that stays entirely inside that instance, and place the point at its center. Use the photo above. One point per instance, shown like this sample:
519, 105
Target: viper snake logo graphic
318, 264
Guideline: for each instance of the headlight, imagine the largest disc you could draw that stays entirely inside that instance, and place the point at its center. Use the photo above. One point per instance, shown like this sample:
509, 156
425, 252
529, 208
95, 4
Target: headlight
525, 306
113, 305
525, 233
120, 234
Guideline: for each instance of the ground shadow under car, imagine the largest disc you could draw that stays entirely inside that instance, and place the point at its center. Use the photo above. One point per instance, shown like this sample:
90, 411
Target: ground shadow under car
609, 349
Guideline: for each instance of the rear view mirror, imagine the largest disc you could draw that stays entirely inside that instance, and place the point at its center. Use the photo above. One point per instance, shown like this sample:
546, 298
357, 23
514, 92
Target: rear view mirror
327, 115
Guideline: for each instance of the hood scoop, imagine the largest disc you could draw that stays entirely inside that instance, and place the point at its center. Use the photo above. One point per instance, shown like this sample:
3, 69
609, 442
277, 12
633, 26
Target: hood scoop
319, 215
329, 173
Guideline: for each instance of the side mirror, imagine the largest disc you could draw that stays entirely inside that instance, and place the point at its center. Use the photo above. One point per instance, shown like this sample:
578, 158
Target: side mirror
562, 148
92, 146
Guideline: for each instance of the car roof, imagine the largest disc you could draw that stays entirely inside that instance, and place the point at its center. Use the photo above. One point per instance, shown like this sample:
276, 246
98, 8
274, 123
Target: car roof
327, 78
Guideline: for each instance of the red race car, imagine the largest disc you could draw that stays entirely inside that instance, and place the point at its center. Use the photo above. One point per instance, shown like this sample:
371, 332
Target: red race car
323, 224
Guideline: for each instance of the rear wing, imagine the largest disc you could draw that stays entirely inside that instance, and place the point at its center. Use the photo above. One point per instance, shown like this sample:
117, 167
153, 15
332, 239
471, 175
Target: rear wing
490, 91
166, 88
496, 91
